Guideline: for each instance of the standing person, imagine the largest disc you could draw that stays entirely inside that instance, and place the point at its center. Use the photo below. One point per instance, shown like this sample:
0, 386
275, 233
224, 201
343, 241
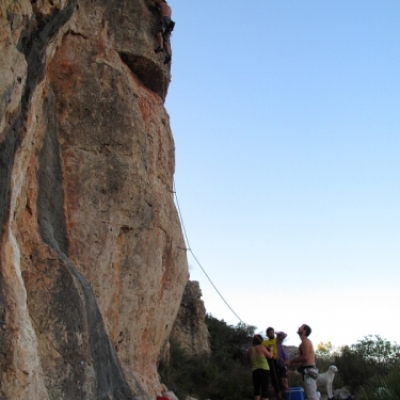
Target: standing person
259, 365
282, 358
306, 360
163, 30
273, 365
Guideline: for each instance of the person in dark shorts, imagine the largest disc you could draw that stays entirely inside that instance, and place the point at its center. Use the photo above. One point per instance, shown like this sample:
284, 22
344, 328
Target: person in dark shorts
282, 358
271, 343
163, 30
258, 355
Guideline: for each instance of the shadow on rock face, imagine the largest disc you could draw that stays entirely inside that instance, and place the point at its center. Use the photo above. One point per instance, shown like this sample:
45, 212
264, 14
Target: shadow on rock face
150, 74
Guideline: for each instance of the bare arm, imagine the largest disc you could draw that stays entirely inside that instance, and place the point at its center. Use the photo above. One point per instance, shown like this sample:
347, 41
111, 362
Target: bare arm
266, 352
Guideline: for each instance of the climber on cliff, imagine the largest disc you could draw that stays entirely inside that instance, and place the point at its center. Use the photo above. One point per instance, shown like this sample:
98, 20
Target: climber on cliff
164, 28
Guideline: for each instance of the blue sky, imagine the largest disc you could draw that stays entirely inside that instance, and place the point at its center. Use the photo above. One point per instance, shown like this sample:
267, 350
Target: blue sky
286, 119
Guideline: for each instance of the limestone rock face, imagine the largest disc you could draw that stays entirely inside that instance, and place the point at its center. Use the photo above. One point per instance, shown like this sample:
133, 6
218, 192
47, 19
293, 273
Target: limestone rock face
91, 260
189, 330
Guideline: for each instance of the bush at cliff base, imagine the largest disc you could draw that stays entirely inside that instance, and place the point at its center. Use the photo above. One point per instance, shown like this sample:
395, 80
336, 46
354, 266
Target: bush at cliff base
370, 368
225, 374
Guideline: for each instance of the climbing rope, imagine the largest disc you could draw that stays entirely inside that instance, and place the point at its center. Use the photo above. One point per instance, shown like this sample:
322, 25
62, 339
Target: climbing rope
188, 248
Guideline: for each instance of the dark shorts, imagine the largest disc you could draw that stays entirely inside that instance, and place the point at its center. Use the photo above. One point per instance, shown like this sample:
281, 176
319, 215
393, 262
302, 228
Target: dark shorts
282, 371
303, 368
275, 377
261, 382
164, 25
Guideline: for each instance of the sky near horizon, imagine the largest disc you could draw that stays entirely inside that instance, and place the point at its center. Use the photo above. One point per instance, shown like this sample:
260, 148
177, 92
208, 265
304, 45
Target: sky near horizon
286, 121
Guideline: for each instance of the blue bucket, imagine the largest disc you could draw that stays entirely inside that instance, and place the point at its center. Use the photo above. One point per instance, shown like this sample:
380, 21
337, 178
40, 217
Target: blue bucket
294, 393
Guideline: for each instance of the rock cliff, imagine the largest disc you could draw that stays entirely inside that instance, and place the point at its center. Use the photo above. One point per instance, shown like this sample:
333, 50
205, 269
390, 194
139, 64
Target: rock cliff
190, 330
91, 260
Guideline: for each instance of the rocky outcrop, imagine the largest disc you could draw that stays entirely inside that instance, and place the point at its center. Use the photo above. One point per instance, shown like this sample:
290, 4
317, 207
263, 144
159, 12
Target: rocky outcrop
91, 260
189, 330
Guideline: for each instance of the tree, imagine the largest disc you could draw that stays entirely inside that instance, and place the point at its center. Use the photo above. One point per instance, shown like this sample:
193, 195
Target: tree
325, 350
368, 363
379, 351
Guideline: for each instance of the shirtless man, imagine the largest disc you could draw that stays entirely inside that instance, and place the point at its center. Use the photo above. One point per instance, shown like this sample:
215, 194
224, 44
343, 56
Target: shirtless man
305, 362
163, 30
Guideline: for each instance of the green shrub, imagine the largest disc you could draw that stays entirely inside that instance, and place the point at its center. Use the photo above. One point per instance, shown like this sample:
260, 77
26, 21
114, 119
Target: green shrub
366, 365
225, 374
371, 367
387, 388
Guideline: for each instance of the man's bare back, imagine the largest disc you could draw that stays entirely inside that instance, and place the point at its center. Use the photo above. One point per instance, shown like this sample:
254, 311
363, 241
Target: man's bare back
165, 9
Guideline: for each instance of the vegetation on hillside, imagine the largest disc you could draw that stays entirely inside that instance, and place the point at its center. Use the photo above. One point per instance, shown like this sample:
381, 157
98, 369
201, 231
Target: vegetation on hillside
225, 374
370, 368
